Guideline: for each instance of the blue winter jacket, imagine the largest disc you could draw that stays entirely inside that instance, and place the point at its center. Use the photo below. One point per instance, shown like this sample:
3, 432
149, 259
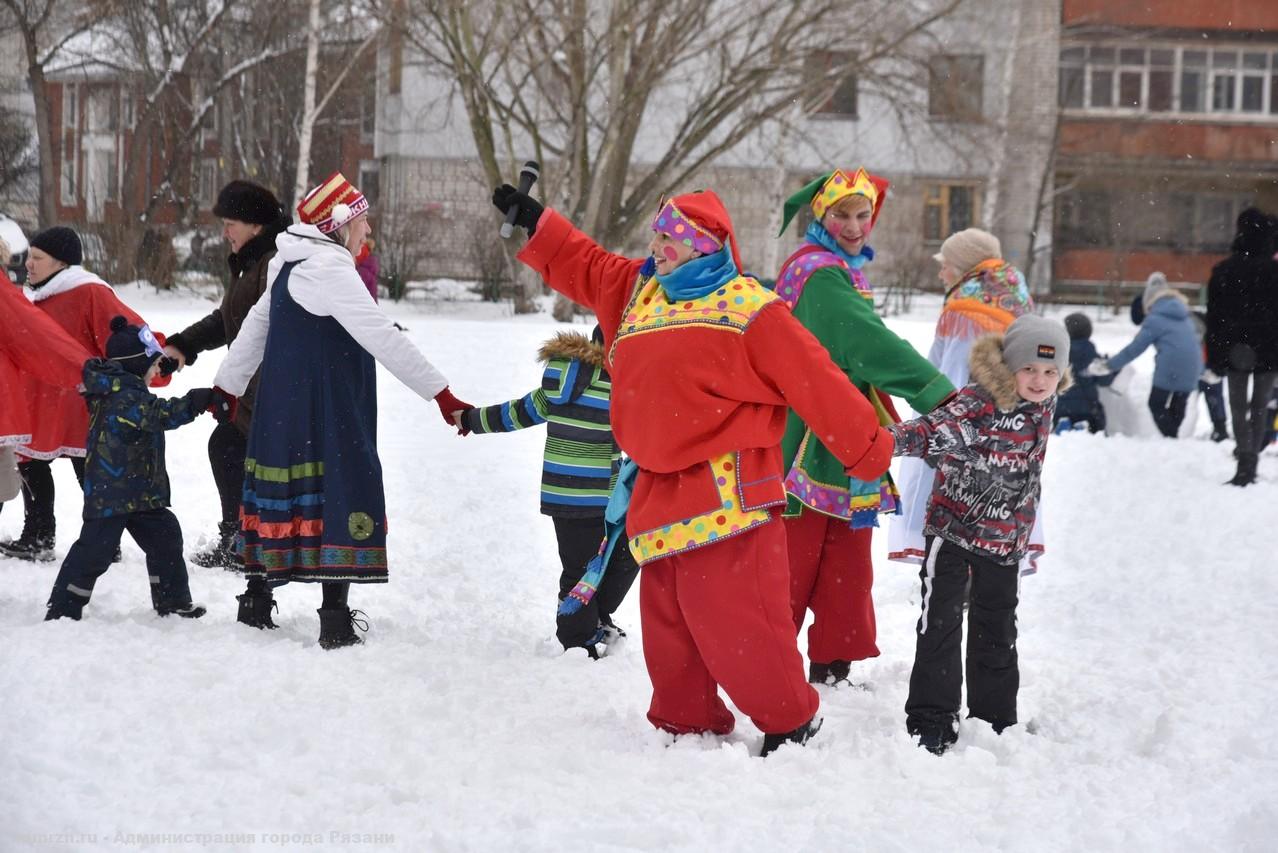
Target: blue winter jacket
1178, 356
124, 470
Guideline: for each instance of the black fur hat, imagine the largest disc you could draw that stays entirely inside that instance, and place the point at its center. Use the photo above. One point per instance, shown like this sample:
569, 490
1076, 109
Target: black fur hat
248, 202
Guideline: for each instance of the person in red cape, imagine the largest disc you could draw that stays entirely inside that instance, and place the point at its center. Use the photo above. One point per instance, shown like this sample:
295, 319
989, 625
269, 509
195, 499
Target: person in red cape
705, 362
34, 352
82, 305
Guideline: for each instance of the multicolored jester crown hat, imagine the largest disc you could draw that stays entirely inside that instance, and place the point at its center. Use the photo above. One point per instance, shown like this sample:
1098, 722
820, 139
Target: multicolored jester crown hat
831, 188
699, 220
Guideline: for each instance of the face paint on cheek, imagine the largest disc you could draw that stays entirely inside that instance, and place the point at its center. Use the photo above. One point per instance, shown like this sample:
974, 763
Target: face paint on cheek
669, 253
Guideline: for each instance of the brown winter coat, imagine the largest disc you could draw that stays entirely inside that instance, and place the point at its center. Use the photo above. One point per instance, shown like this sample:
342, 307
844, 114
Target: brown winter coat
988, 446
222, 325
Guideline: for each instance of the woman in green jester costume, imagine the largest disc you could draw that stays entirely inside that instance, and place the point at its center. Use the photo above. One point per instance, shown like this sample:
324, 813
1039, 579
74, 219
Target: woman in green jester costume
828, 516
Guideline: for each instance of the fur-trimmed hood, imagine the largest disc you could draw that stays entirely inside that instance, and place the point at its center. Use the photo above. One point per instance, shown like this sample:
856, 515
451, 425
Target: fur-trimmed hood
572, 345
991, 373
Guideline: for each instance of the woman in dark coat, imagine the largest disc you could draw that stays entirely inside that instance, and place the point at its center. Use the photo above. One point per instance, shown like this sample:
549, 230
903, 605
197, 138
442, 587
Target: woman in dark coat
1242, 332
251, 220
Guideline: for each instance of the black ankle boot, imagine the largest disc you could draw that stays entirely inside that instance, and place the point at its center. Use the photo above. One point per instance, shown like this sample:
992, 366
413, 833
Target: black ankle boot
337, 627
801, 735
255, 609
1246, 474
222, 554
35, 549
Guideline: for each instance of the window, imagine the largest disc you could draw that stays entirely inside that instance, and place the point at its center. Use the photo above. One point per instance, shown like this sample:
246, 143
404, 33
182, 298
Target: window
206, 192
1162, 74
70, 183
1132, 219
955, 87
1071, 86
368, 114
1168, 80
948, 208
369, 180
837, 97
126, 109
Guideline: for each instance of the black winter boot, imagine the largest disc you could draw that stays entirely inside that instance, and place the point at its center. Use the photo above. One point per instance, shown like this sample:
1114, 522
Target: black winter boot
1246, 475
801, 735
222, 554
337, 627
29, 546
255, 609
189, 610
835, 672
1218, 431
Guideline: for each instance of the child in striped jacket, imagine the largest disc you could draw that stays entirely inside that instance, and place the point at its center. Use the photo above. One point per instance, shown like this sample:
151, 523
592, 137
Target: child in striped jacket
579, 472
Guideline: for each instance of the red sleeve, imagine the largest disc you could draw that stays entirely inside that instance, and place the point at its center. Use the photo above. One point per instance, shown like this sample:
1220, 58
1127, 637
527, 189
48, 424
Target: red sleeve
791, 358
37, 344
580, 269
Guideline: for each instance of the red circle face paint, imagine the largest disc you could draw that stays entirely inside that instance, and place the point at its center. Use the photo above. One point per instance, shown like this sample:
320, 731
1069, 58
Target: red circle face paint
670, 253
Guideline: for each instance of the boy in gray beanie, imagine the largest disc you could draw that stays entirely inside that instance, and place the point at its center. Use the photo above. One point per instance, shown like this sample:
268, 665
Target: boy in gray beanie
987, 445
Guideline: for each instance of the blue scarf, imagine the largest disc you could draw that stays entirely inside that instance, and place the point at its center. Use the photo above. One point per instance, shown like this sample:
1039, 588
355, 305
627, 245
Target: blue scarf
699, 276
614, 527
816, 233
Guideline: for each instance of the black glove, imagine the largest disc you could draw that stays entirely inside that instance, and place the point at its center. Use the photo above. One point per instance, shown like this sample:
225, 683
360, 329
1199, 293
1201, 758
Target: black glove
505, 197
224, 406
168, 366
200, 398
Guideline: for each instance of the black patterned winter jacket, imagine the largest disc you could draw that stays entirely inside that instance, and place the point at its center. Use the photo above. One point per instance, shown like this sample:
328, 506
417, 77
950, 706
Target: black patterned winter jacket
987, 445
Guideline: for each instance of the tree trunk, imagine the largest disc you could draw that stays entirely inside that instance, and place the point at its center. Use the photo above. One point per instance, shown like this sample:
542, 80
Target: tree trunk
302, 184
44, 138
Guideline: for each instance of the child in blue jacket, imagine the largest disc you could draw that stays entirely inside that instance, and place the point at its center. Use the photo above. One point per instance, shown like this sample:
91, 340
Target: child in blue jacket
126, 483
1178, 358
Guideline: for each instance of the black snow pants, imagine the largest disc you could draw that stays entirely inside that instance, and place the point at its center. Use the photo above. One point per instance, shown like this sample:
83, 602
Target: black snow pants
579, 540
158, 534
993, 678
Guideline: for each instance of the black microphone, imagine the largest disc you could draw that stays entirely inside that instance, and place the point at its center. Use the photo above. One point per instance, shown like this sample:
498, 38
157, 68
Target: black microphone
527, 177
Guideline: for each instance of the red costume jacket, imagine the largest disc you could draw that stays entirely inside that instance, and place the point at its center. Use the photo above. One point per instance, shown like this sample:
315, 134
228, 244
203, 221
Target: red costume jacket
83, 306
36, 357
692, 382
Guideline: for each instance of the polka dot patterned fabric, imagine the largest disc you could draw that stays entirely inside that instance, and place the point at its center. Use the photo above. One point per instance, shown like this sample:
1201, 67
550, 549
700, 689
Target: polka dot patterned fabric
728, 520
732, 306
841, 185
673, 223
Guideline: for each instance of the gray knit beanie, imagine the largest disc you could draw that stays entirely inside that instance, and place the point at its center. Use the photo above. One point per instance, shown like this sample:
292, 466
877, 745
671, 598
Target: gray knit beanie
1033, 338
967, 248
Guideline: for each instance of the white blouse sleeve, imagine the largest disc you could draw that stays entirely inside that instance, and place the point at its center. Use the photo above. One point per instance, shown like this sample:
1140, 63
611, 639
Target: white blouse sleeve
341, 294
245, 354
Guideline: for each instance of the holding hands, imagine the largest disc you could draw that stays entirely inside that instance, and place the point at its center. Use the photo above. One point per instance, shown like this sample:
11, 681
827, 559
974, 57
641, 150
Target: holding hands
452, 410
1099, 367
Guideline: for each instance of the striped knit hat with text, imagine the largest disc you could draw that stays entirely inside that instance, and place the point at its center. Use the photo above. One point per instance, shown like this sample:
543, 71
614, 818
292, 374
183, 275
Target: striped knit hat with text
332, 204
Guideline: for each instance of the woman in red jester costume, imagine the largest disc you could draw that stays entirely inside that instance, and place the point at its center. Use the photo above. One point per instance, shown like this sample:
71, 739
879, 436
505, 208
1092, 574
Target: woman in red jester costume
705, 362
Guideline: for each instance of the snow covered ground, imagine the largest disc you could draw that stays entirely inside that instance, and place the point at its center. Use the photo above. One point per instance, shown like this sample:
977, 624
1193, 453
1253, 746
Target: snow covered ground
1149, 655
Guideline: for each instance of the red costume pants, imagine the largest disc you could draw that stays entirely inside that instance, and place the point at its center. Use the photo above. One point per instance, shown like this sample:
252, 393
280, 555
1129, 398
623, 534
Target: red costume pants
717, 616
831, 575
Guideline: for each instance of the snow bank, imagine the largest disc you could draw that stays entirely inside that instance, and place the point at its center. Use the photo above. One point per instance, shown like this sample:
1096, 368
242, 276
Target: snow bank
1148, 659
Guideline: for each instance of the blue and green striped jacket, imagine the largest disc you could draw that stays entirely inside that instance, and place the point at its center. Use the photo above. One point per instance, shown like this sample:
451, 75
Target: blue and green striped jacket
582, 458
